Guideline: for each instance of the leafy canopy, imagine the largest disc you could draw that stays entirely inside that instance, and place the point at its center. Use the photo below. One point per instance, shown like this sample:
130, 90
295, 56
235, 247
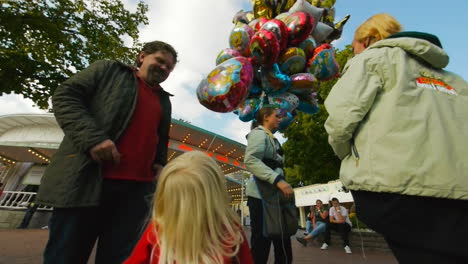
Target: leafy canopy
43, 42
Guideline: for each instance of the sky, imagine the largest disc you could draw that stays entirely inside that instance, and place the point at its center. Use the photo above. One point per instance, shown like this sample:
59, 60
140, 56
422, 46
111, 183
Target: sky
199, 30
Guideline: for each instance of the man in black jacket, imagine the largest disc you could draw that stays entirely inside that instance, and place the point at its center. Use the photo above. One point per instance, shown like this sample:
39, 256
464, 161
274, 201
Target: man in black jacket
116, 122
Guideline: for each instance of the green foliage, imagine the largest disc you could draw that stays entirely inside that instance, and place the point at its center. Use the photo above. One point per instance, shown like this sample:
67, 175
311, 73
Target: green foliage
43, 42
309, 157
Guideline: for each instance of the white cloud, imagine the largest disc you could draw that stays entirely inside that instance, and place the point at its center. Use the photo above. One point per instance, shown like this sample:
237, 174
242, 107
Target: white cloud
198, 30
236, 130
17, 104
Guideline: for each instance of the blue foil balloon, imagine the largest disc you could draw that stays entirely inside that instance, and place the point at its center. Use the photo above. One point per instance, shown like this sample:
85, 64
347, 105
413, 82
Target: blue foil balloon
287, 119
274, 81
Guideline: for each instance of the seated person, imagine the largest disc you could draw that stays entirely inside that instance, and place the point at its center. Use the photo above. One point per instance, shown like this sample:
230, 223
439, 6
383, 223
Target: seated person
319, 219
339, 221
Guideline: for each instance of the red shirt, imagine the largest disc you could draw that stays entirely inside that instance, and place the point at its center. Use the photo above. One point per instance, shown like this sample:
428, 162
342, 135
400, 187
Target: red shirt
142, 252
137, 145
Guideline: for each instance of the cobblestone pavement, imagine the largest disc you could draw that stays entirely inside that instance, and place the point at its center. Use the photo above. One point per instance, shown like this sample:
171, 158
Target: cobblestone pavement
26, 246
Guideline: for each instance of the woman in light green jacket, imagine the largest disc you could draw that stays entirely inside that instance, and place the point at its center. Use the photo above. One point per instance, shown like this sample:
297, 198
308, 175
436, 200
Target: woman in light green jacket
398, 122
264, 159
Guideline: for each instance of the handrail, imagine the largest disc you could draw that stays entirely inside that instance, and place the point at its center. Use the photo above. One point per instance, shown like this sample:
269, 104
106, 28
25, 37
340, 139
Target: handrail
19, 200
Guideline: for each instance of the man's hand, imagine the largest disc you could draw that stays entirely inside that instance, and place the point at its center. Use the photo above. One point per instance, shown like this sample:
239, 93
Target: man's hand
105, 151
285, 188
157, 170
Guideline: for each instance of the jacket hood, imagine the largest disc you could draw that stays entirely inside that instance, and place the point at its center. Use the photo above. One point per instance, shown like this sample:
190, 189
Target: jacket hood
423, 49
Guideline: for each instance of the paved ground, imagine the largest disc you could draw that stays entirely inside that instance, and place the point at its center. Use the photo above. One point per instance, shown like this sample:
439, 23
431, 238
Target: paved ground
25, 247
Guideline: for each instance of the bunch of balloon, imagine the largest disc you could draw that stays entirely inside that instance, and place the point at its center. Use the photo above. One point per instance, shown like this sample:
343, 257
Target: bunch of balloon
278, 54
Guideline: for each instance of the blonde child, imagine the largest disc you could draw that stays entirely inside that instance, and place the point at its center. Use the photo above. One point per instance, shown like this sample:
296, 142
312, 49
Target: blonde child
192, 222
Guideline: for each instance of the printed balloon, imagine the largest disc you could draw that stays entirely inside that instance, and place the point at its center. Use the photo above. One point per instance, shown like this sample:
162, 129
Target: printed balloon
248, 109
292, 61
227, 86
308, 46
226, 54
300, 25
274, 81
264, 48
323, 64
239, 39
285, 101
303, 83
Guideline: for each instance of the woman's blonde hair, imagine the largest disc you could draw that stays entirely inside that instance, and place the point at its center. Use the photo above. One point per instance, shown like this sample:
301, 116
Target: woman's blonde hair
192, 218
376, 28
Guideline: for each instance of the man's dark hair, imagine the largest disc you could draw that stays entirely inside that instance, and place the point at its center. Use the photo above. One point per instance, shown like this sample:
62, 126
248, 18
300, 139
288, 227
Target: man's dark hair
155, 46
335, 200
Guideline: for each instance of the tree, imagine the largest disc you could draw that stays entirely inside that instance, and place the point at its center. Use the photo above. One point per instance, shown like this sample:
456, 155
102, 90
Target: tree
43, 42
309, 157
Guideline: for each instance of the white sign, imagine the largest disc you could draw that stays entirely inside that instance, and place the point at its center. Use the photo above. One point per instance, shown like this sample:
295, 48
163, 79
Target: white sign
308, 195
34, 175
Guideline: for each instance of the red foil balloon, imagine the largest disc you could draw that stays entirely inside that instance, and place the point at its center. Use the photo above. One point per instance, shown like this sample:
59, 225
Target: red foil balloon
264, 48
256, 24
300, 25
280, 30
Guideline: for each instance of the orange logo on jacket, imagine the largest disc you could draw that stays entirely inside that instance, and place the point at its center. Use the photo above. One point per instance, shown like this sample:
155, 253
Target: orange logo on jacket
435, 84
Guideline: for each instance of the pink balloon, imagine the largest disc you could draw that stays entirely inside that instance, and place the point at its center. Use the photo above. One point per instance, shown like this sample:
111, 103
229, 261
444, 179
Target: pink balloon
227, 86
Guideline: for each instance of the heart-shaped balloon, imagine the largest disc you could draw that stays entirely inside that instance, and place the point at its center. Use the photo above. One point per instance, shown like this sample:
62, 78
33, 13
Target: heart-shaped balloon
292, 61
273, 80
239, 39
227, 86
323, 64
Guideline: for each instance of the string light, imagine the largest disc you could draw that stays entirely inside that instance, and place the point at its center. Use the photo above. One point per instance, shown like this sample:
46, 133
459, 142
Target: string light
186, 137
38, 155
7, 160
203, 143
172, 155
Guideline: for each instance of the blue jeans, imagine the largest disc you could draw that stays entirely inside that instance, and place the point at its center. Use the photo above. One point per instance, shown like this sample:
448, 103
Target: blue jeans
321, 227
308, 227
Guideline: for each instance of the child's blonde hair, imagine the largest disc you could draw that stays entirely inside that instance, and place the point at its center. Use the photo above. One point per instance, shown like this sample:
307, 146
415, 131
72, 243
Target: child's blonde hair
376, 28
192, 218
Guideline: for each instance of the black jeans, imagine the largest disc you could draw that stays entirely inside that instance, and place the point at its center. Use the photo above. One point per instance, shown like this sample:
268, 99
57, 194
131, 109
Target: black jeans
417, 229
342, 229
260, 245
117, 224
28, 216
